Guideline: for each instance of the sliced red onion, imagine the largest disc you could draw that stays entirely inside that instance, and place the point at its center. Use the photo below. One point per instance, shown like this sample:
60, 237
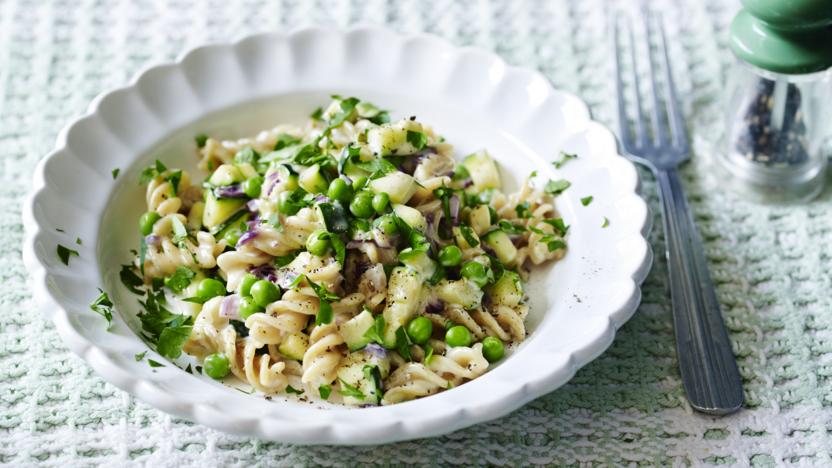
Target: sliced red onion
453, 207
253, 222
153, 240
467, 183
253, 205
230, 191
435, 306
321, 198
382, 240
230, 307
264, 271
285, 277
376, 351
247, 237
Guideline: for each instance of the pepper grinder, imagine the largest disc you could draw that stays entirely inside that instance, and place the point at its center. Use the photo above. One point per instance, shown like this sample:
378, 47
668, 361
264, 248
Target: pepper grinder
778, 120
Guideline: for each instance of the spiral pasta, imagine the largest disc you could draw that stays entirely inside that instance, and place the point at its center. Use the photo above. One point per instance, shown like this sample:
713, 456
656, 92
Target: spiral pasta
352, 258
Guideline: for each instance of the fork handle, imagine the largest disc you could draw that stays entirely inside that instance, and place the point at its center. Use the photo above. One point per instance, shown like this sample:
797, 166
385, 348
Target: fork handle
706, 361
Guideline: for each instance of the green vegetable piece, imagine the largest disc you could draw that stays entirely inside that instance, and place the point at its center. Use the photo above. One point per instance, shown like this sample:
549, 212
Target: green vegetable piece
339, 190
450, 255
476, 272
252, 187
362, 205
216, 365
380, 202
104, 307
458, 335
246, 284
201, 139
386, 224
493, 349
249, 307
556, 187
359, 183
318, 243
420, 329
64, 253
286, 203
325, 391
232, 236
147, 221
586, 200
180, 279
264, 292
209, 287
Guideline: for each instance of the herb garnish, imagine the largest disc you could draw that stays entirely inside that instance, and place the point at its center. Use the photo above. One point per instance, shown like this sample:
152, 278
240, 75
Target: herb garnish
180, 279
509, 228
324, 391
556, 187
558, 224
417, 139
350, 391
523, 210
64, 254
376, 332
115, 172
428, 355
564, 158
325, 297
150, 172
605, 223
153, 363
162, 327
104, 307
403, 344
140, 356
291, 389
200, 140
78, 241
586, 200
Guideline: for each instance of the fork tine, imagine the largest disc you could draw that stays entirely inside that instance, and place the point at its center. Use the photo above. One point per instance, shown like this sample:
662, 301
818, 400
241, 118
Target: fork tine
623, 122
677, 125
641, 130
660, 130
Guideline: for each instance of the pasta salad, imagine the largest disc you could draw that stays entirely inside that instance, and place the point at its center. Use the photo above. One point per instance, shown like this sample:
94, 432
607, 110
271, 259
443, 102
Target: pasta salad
351, 259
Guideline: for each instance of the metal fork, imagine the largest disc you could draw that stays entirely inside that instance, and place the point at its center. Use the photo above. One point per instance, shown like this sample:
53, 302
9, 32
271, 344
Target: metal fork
706, 361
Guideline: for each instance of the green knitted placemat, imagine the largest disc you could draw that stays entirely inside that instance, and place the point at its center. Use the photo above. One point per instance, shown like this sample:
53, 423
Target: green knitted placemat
627, 407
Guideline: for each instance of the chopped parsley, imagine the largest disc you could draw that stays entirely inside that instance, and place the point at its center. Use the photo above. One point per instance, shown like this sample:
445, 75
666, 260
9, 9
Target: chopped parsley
246, 155
115, 173
317, 114
325, 297
558, 224
59, 230
180, 279
376, 332
153, 363
417, 139
586, 200
140, 356
180, 232
284, 140
468, 235
64, 253
103, 306
150, 172
403, 344
347, 108
523, 210
325, 391
605, 223
350, 391
509, 228
556, 187
200, 140
78, 240
291, 389
162, 327
428, 355
564, 158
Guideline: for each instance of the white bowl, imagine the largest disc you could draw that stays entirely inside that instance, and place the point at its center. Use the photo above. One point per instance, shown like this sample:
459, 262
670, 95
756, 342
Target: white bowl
470, 96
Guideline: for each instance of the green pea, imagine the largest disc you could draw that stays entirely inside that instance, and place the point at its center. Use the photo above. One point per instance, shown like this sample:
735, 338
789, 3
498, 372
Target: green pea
231, 236
386, 224
286, 205
458, 335
318, 243
380, 202
362, 205
216, 365
339, 190
450, 255
251, 187
359, 183
493, 349
264, 292
420, 329
246, 284
248, 307
476, 272
209, 287
147, 221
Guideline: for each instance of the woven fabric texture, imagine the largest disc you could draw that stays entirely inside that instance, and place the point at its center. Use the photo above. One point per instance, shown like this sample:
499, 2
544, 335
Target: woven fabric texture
770, 264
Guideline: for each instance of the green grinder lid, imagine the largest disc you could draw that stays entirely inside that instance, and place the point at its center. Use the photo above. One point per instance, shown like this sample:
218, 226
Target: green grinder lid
784, 36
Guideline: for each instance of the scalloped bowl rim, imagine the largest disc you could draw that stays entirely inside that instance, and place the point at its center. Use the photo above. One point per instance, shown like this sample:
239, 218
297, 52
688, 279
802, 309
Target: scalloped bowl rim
384, 424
